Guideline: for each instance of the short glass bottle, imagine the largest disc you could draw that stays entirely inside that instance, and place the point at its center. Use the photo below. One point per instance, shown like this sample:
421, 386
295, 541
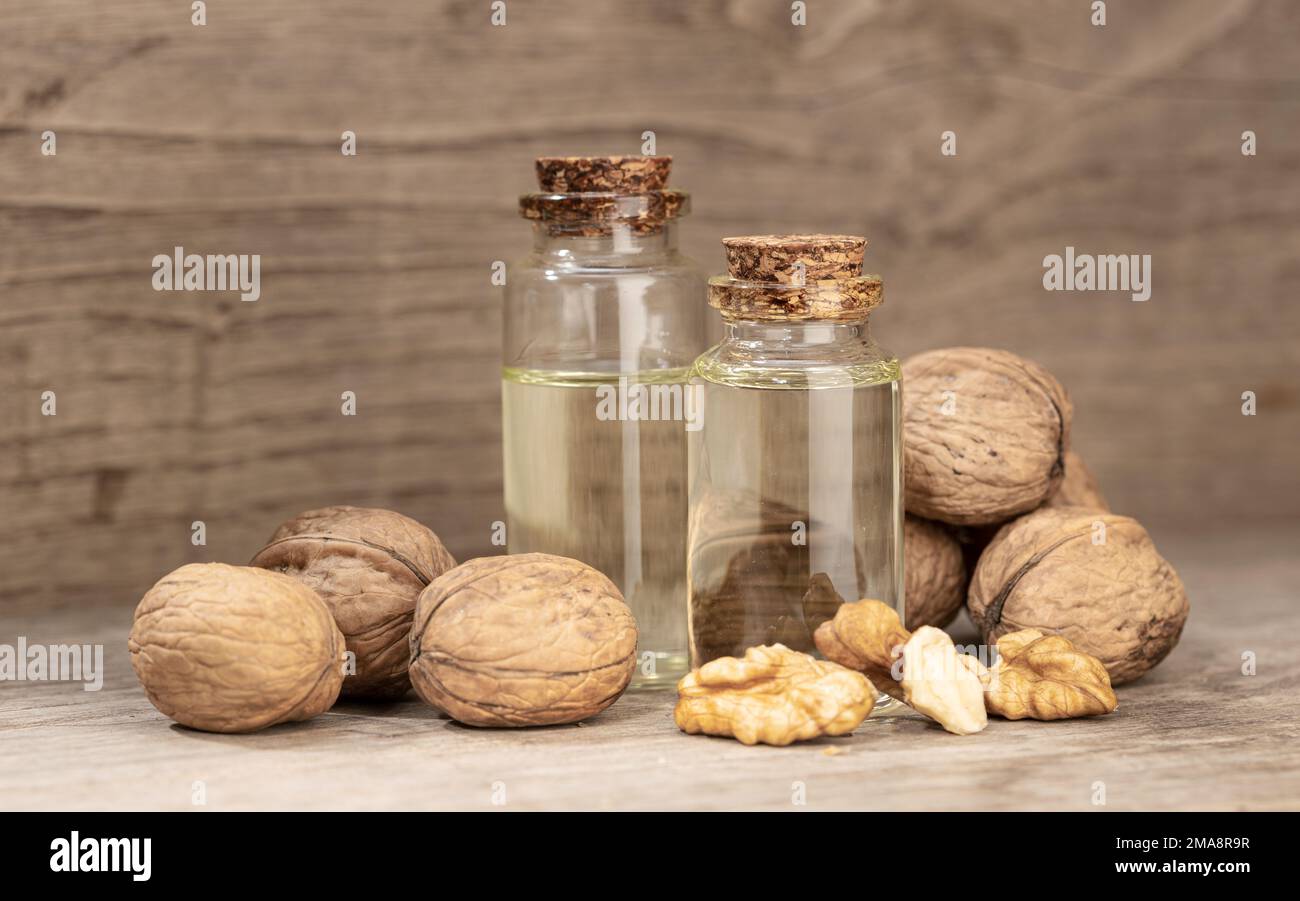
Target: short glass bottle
603, 320
795, 476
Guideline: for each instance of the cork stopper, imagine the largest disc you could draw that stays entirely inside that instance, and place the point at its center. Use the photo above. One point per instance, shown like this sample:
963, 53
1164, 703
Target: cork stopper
778, 258
603, 174
789, 277
591, 196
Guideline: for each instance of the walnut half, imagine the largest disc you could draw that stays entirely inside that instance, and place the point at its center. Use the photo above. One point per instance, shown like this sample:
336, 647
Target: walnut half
1038, 677
1044, 677
772, 695
867, 636
943, 684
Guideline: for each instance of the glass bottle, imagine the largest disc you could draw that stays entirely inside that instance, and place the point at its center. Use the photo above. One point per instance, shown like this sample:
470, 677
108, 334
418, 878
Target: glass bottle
795, 476
603, 320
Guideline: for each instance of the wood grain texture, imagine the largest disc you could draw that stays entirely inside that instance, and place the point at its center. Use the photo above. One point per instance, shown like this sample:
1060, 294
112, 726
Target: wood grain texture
1194, 734
224, 139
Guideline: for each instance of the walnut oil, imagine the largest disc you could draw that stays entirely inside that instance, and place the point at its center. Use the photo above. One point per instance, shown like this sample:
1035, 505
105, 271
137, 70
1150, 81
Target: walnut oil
796, 471
603, 320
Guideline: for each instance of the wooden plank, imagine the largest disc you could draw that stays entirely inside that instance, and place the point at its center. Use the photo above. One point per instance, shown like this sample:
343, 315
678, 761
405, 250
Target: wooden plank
225, 139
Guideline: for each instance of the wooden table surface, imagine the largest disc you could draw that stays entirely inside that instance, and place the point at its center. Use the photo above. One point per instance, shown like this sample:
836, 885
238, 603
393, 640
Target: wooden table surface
1194, 734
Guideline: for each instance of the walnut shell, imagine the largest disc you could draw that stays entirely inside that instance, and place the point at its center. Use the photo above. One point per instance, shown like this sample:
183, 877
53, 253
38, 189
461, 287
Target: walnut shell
235, 649
1118, 600
522, 640
984, 435
1079, 487
934, 575
368, 566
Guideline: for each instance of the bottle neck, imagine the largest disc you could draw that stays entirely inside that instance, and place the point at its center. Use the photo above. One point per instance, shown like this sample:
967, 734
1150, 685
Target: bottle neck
618, 240
813, 353
811, 335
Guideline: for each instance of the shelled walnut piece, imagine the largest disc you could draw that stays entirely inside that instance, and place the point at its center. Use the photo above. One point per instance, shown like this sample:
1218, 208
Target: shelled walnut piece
922, 668
369, 566
866, 636
235, 649
944, 685
772, 695
1036, 679
1044, 677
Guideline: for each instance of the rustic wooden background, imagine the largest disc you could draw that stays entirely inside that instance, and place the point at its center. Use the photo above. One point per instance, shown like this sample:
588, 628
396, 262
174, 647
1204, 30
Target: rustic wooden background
225, 139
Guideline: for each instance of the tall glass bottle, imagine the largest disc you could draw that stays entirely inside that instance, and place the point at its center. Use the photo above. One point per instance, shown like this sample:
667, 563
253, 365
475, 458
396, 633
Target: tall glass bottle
795, 477
603, 320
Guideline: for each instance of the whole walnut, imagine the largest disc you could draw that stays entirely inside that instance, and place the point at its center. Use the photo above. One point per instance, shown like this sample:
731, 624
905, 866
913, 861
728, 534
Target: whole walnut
1091, 576
934, 576
522, 640
235, 649
369, 566
984, 435
1079, 487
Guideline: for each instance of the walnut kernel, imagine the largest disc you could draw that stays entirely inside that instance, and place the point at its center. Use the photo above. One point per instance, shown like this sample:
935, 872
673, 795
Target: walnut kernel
772, 695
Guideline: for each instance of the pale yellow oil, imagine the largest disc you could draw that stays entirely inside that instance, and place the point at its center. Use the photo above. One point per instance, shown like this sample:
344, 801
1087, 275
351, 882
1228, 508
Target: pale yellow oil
796, 474
610, 492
